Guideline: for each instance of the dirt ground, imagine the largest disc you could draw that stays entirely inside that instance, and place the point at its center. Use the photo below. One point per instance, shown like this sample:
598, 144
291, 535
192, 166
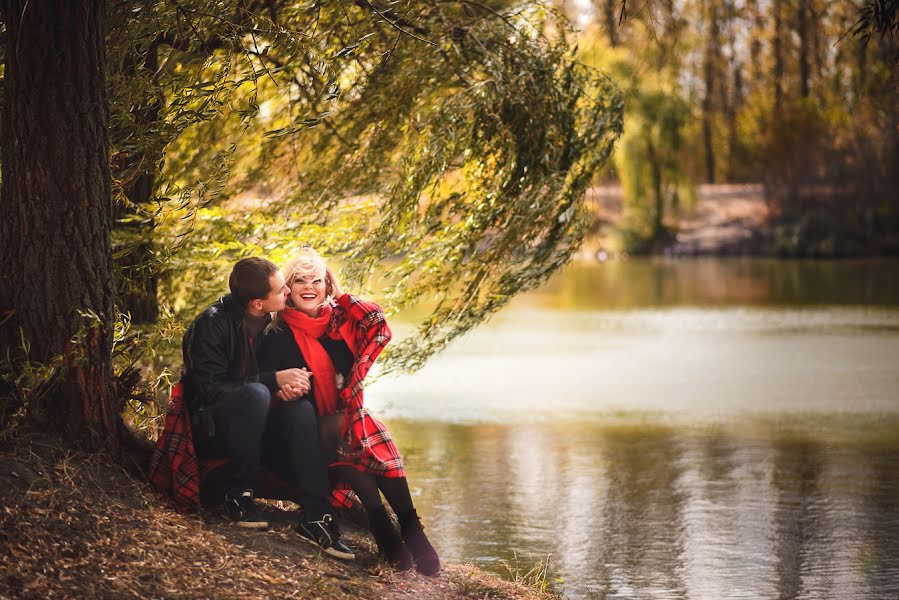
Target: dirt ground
79, 526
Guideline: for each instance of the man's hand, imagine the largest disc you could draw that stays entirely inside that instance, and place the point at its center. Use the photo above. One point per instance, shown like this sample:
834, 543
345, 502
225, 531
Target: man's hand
294, 383
333, 289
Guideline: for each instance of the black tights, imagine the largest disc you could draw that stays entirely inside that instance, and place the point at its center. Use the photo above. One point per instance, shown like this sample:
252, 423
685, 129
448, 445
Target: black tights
367, 486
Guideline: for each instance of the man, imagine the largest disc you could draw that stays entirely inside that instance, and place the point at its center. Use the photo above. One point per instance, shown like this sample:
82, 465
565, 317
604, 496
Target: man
230, 403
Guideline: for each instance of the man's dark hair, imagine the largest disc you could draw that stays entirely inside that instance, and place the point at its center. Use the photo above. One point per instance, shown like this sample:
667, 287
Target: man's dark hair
249, 279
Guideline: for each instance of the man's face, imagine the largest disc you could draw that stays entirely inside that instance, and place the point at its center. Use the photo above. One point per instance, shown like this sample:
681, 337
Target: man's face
276, 297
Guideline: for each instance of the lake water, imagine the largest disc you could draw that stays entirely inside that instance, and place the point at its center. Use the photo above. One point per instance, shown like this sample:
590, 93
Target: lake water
658, 429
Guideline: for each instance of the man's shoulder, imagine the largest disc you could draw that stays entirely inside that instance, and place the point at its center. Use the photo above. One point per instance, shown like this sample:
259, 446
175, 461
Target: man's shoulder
224, 308
214, 317
216, 310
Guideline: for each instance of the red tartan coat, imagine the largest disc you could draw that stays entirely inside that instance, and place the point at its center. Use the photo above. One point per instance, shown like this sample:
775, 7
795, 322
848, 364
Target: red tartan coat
174, 469
368, 445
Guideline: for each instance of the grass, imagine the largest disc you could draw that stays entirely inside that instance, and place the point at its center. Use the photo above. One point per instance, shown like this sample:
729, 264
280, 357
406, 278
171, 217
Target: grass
534, 577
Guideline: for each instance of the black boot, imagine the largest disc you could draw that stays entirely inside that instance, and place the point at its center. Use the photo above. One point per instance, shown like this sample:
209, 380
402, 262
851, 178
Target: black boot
389, 540
426, 560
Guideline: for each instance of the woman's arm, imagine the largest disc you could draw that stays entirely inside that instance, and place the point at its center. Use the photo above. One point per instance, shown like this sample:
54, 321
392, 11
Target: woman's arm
367, 325
363, 326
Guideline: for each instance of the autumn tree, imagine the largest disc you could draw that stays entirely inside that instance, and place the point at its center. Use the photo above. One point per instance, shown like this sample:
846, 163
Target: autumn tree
57, 288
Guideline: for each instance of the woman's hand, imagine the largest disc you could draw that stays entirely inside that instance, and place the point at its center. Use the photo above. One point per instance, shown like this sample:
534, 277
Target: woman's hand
333, 288
297, 386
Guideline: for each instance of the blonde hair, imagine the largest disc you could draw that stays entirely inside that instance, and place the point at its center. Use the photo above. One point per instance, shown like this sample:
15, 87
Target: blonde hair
307, 264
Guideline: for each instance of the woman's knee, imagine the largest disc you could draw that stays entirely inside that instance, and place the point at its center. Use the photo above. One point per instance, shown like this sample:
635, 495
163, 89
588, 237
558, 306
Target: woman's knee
300, 413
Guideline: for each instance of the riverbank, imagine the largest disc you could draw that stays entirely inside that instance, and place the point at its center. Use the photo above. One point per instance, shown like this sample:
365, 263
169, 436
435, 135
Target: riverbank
737, 220
76, 525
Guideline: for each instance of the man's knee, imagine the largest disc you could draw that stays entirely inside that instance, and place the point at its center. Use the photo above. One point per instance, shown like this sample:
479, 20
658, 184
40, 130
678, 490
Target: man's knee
254, 401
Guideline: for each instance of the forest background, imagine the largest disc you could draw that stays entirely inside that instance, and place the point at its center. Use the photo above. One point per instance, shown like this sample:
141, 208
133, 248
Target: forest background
778, 96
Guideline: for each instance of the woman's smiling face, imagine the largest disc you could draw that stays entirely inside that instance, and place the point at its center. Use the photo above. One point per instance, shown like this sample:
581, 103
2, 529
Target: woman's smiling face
308, 292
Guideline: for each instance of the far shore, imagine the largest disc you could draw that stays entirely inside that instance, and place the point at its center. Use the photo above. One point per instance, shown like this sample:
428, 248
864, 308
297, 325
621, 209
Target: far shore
733, 220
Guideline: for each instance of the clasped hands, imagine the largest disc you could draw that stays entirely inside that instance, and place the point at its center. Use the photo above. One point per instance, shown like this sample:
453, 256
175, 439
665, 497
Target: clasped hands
293, 383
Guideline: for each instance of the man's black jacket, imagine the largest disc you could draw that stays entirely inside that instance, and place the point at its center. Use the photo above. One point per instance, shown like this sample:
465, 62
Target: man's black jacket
217, 356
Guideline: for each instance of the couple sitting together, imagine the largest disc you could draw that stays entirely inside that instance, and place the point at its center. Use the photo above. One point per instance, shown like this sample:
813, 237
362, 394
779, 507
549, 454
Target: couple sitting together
273, 376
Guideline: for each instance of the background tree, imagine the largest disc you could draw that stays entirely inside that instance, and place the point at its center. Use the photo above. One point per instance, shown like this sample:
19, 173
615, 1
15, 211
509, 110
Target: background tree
466, 127
791, 94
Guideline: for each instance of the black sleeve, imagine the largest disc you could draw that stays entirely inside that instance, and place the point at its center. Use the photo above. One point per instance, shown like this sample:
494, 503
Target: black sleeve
269, 356
207, 362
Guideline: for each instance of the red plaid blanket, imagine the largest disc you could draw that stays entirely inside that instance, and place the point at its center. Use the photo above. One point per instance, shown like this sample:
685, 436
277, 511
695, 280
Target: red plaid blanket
176, 472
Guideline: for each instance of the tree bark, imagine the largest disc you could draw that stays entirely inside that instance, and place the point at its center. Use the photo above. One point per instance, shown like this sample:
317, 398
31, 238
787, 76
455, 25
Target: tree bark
56, 211
757, 19
802, 31
658, 218
140, 299
711, 53
778, 57
611, 22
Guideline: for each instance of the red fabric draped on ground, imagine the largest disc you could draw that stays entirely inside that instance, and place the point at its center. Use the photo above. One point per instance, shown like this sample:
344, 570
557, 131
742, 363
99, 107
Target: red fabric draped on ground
176, 472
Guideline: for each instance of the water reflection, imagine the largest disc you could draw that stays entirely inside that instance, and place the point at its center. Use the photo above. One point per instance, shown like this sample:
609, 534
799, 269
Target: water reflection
686, 363
670, 429
797, 468
648, 510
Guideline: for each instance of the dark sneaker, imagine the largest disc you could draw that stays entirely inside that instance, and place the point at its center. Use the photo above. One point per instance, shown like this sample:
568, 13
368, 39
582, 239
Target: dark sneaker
426, 560
325, 535
389, 540
244, 511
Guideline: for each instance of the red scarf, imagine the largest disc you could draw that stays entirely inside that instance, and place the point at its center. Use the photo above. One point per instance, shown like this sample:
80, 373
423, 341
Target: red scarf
306, 331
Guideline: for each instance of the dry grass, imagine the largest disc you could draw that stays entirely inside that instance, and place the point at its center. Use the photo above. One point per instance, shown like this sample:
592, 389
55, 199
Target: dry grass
76, 525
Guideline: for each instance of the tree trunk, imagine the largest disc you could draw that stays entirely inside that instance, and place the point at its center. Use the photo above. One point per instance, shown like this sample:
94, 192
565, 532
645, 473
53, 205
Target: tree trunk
139, 298
818, 16
658, 218
757, 19
611, 22
711, 54
778, 57
861, 61
56, 211
802, 31
735, 100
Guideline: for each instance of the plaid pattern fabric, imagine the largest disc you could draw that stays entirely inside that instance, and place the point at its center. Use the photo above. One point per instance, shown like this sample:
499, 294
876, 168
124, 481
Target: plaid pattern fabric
363, 326
174, 470
368, 445
375, 452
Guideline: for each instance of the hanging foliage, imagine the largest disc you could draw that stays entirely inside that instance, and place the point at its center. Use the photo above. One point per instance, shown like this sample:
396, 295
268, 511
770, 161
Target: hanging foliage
445, 150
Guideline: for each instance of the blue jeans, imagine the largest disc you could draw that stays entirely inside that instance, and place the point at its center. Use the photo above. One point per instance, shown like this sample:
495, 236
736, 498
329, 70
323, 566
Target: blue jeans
246, 430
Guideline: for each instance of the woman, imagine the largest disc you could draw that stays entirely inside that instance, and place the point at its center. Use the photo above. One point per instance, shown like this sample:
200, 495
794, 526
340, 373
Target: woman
337, 337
